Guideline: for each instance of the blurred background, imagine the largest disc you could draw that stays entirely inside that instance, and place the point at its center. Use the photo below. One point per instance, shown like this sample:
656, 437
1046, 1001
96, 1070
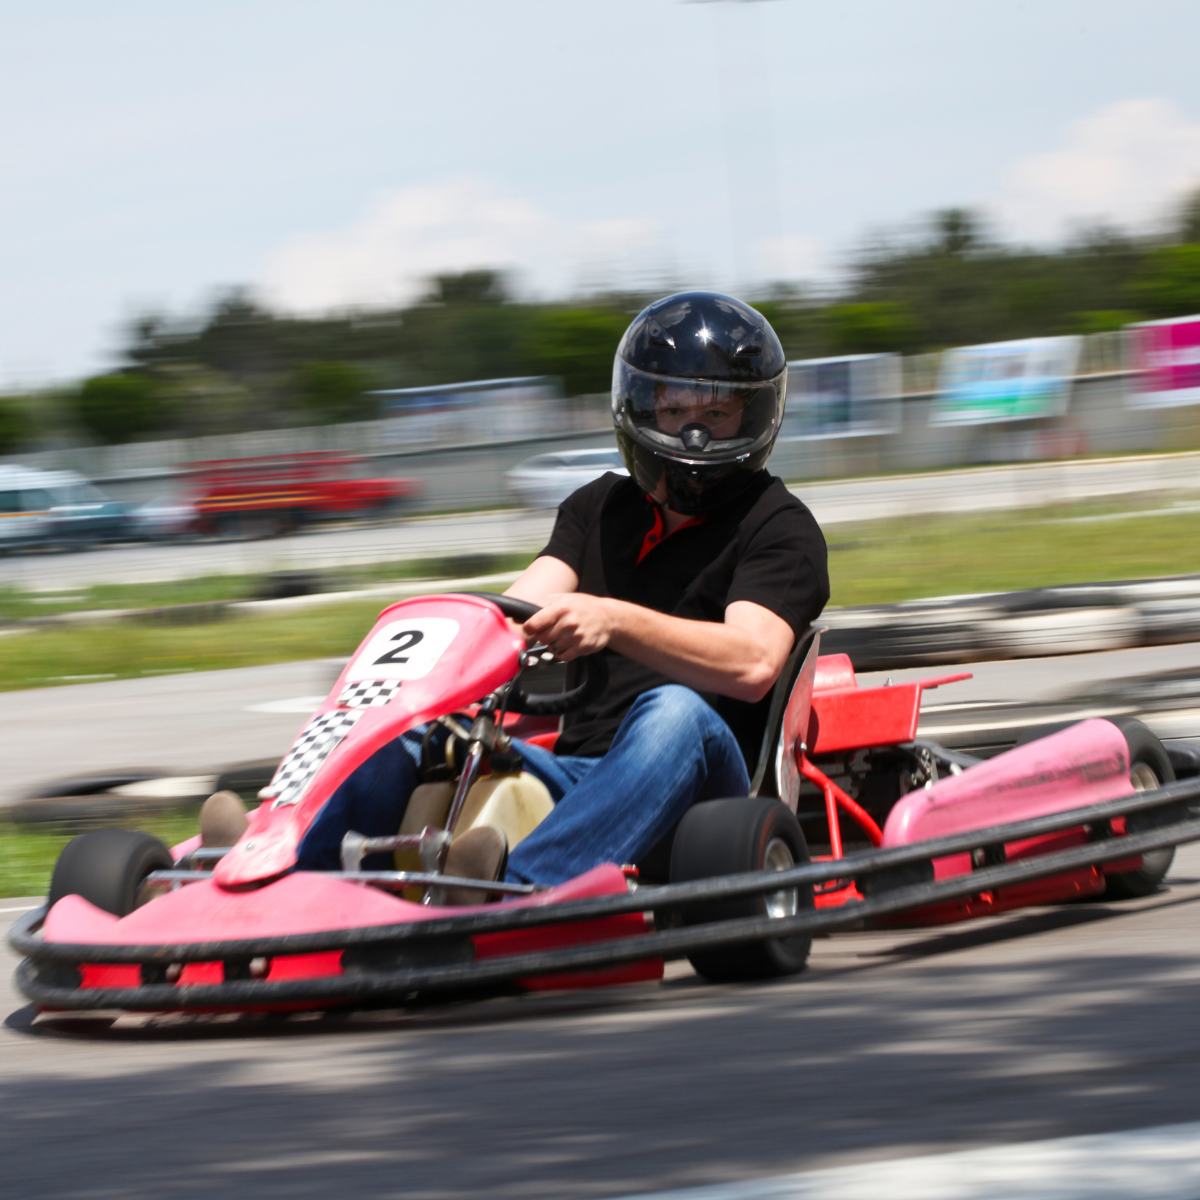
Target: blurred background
394, 231
321, 301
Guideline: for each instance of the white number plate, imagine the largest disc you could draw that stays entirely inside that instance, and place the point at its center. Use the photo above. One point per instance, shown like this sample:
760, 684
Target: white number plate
404, 649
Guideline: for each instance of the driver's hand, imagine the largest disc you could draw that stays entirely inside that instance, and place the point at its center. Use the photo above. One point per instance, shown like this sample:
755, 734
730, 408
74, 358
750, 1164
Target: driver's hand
571, 624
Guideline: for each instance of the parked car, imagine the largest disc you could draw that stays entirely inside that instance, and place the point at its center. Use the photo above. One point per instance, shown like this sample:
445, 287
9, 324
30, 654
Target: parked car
24, 508
57, 509
546, 480
82, 515
272, 494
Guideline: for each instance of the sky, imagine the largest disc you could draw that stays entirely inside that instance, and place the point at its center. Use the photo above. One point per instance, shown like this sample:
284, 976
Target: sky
328, 154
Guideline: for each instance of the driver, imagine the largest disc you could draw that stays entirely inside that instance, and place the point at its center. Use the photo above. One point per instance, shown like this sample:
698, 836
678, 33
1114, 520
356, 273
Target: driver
693, 578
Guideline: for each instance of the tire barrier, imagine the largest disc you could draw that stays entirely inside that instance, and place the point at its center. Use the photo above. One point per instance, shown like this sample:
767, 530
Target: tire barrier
1076, 619
1073, 619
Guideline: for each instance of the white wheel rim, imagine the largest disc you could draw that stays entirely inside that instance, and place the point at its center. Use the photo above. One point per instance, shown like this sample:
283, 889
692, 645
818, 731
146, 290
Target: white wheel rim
1144, 777
779, 857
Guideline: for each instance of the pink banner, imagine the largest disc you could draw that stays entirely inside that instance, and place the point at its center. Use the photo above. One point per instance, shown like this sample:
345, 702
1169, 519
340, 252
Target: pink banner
1168, 362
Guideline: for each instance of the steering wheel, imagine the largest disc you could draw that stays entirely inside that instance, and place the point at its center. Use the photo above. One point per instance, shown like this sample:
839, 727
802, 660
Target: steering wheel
547, 704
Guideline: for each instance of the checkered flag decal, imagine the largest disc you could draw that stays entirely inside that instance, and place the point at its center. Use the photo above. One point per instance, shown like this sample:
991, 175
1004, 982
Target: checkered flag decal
314, 745
368, 693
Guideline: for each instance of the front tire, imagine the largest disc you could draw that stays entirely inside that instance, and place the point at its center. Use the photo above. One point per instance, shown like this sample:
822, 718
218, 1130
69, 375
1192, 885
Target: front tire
107, 867
728, 837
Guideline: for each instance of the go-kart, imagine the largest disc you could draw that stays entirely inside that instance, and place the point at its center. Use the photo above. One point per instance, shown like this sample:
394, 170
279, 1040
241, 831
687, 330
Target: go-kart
852, 818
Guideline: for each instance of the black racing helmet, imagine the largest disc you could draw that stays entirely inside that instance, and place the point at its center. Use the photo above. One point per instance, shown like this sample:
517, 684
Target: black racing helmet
699, 381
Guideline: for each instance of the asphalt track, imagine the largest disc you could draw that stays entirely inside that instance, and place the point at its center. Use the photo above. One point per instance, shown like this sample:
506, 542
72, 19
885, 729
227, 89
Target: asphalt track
891, 1048
1055, 1023
196, 724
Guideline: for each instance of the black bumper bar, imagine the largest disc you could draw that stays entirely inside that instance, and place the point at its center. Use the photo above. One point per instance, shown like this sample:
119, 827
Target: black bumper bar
436, 956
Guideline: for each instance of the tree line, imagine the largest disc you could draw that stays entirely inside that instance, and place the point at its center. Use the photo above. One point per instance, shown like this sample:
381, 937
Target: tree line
240, 366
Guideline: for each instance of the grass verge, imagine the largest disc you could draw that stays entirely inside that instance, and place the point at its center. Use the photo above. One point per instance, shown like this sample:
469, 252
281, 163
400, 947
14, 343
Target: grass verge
19, 604
885, 562
875, 563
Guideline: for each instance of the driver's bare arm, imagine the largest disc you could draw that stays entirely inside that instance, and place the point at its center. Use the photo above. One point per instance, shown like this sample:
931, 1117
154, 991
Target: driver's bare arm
543, 578
740, 657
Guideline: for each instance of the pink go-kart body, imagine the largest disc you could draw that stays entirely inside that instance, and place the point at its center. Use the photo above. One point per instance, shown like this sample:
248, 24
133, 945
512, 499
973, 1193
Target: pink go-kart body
1084, 764
243, 928
423, 658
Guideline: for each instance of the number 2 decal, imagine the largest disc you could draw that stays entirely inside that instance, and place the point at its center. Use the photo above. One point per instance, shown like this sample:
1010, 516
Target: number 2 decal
407, 639
404, 649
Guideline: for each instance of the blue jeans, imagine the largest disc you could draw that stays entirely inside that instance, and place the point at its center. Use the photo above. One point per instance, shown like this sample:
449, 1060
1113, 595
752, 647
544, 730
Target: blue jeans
670, 751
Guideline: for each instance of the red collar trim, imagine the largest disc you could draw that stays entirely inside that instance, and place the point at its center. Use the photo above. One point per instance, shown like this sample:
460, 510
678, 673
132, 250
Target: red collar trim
657, 534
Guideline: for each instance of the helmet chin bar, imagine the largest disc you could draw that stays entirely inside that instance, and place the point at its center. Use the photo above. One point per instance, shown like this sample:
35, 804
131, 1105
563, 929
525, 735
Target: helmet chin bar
691, 491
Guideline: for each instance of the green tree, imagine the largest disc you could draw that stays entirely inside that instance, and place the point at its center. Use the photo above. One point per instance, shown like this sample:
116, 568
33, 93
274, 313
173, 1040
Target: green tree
1189, 218
1104, 320
1169, 286
330, 392
871, 327
120, 407
956, 232
798, 320
577, 345
16, 424
469, 288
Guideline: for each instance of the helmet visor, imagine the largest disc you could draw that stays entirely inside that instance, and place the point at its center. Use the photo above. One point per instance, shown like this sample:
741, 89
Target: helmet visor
697, 420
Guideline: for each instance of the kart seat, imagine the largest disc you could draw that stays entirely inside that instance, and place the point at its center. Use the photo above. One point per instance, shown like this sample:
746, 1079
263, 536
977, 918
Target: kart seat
775, 772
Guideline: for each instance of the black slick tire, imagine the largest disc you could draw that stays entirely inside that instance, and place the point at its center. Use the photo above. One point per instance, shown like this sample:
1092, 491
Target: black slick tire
728, 837
107, 867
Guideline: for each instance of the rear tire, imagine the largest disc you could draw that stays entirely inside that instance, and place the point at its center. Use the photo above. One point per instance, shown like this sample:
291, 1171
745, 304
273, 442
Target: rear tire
1149, 768
728, 837
107, 868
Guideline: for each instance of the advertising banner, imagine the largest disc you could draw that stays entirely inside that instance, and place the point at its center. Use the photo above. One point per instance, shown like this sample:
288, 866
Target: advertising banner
470, 412
1006, 381
1166, 356
842, 397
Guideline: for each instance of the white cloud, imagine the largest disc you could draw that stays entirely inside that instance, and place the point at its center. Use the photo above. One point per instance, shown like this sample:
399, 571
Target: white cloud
453, 225
789, 257
1127, 164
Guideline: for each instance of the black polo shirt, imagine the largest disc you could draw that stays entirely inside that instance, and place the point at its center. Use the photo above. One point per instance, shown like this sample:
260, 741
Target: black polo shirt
765, 547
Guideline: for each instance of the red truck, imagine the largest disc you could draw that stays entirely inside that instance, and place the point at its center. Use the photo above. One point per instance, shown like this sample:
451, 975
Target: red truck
273, 494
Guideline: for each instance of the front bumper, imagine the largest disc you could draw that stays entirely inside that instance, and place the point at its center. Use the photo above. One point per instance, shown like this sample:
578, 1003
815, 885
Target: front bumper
618, 937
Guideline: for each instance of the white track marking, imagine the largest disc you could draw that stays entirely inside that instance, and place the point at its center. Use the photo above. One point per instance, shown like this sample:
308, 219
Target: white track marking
1145, 1164
295, 704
